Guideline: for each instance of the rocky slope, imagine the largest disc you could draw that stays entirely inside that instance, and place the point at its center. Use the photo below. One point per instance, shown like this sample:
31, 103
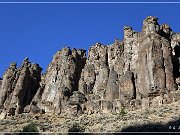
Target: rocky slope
165, 118
138, 72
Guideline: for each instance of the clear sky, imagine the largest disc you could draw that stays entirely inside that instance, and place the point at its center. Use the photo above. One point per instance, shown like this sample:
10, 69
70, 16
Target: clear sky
38, 31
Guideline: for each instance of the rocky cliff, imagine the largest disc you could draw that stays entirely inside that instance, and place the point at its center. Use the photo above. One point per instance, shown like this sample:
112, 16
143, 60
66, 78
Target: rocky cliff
140, 71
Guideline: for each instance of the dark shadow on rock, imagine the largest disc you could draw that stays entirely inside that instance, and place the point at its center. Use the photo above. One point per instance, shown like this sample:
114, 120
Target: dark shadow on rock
175, 60
172, 127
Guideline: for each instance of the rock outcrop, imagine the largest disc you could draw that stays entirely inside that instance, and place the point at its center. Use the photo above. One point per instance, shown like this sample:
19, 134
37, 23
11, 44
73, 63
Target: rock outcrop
61, 80
141, 70
175, 44
19, 86
155, 68
0, 82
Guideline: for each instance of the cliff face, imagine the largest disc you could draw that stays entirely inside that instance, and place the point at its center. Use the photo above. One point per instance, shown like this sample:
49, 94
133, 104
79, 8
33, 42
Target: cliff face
140, 71
19, 85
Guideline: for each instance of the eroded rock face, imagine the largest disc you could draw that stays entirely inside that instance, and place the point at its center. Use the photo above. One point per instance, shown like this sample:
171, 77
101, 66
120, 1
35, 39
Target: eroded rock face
112, 89
131, 48
76, 103
141, 70
127, 89
61, 79
0, 82
116, 57
175, 44
155, 70
7, 85
150, 25
19, 86
94, 76
166, 31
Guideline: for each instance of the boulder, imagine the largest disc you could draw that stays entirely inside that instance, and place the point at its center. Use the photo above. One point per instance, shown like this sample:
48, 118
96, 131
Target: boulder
3, 115
106, 106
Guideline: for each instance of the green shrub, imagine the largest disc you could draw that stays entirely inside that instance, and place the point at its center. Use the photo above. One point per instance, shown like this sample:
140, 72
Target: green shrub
31, 127
76, 128
122, 111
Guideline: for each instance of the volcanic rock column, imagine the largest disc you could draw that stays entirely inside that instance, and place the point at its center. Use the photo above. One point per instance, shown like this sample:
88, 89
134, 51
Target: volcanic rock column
95, 73
131, 48
19, 86
61, 79
6, 86
154, 58
175, 44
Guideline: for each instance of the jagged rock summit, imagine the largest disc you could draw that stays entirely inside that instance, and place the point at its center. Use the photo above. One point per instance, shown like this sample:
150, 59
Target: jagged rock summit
140, 71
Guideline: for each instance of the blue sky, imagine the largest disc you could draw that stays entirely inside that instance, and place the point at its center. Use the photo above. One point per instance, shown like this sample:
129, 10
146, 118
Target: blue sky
38, 31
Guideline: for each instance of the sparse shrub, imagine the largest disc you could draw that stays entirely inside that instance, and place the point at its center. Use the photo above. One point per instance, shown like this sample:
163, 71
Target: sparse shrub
122, 111
76, 128
31, 127
147, 111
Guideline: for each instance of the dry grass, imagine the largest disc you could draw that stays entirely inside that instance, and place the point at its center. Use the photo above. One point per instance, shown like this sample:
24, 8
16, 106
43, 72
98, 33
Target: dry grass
94, 122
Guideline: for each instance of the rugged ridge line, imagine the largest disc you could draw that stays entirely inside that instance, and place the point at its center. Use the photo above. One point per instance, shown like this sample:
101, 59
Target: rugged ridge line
140, 71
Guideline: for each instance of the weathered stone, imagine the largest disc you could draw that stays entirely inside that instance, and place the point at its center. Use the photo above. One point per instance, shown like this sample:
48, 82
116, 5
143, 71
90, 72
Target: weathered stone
35, 109
101, 81
150, 25
76, 103
27, 109
0, 82
74, 109
112, 90
140, 71
131, 48
87, 80
137, 104
19, 86
117, 105
127, 86
90, 107
9, 78
155, 70
61, 79
157, 101
168, 64
3, 115
106, 106
175, 44
98, 57
95, 74
166, 31
115, 56
77, 97
145, 102
178, 81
